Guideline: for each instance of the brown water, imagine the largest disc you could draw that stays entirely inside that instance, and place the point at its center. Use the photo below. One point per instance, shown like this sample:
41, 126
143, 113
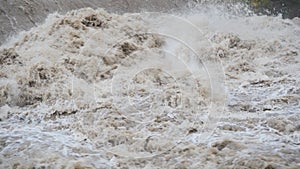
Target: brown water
208, 88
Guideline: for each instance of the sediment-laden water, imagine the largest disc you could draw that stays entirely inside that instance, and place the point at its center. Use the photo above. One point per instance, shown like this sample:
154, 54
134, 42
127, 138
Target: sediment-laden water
208, 88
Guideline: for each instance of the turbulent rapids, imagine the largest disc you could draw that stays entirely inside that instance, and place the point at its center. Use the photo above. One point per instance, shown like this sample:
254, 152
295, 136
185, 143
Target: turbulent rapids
209, 88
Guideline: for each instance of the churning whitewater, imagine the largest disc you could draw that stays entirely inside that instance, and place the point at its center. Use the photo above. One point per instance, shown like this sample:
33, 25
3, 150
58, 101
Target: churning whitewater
210, 88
